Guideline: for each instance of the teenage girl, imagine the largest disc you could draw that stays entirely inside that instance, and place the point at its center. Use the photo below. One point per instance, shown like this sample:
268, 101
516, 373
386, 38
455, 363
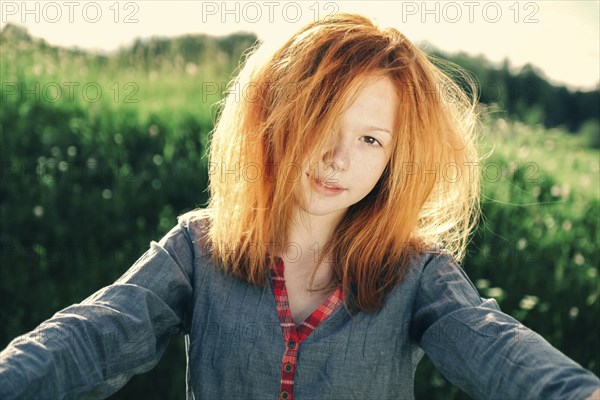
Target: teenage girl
326, 262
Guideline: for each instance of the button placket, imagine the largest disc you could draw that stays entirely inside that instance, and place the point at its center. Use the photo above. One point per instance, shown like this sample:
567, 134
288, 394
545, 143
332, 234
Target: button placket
293, 336
290, 354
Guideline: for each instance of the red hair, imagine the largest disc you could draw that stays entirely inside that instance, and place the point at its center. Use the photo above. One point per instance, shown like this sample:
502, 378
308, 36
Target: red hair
427, 196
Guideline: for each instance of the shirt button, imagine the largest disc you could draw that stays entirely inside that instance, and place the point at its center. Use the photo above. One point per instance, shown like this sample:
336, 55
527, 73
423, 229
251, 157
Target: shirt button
291, 344
284, 395
287, 367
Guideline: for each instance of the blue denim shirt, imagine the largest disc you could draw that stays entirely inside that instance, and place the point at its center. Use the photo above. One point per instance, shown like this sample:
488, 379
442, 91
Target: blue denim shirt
235, 345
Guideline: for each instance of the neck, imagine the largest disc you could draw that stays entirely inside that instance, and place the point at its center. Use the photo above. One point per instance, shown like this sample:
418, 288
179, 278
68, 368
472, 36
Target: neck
308, 236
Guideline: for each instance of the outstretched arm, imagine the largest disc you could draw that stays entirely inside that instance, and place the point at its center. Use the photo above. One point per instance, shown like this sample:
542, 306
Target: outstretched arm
93, 348
487, 353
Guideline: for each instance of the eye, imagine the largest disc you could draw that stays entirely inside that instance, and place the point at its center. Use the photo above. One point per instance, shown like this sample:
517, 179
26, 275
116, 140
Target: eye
371, 141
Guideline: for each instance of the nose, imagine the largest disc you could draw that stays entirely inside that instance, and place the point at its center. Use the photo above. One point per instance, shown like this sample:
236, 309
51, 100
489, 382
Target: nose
337, 157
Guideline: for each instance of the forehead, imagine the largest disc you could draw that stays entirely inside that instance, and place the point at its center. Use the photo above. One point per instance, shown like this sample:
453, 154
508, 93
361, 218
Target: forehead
376, 87
375, 99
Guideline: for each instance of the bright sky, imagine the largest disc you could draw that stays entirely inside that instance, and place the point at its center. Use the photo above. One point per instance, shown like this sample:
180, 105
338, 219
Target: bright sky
559, 37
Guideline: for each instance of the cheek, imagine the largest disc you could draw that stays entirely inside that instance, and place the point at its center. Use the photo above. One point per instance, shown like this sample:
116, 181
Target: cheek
367, 177
372, 168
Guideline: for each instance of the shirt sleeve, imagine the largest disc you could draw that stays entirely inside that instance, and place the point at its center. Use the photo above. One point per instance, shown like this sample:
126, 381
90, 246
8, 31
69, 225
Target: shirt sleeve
93, 348
487, 353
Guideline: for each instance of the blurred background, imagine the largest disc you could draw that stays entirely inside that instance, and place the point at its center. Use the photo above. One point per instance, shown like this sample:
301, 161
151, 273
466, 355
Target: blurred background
107, 107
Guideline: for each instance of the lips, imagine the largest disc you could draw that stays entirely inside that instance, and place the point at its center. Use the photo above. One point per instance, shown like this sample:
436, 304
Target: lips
327, 183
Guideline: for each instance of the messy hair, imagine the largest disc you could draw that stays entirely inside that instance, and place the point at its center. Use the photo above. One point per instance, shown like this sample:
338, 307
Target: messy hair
282, 109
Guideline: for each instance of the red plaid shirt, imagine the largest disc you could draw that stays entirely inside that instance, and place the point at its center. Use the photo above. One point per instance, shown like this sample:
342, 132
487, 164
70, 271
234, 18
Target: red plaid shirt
293, 336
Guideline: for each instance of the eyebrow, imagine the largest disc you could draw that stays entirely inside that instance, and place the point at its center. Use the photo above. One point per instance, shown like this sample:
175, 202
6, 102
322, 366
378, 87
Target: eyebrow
376, 128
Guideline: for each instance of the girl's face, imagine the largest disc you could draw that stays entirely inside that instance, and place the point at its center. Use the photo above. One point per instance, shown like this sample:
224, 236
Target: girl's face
359, 153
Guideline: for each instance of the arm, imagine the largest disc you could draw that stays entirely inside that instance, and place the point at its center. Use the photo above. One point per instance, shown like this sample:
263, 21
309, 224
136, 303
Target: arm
93, 348
487, 353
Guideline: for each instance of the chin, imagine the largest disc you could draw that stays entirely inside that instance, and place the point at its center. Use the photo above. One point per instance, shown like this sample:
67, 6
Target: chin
321, 211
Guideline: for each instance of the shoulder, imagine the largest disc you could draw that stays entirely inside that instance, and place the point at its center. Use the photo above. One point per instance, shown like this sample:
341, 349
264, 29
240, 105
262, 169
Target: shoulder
196, 224
443, 285
438, 275
421, 267
421, 281
430, 260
